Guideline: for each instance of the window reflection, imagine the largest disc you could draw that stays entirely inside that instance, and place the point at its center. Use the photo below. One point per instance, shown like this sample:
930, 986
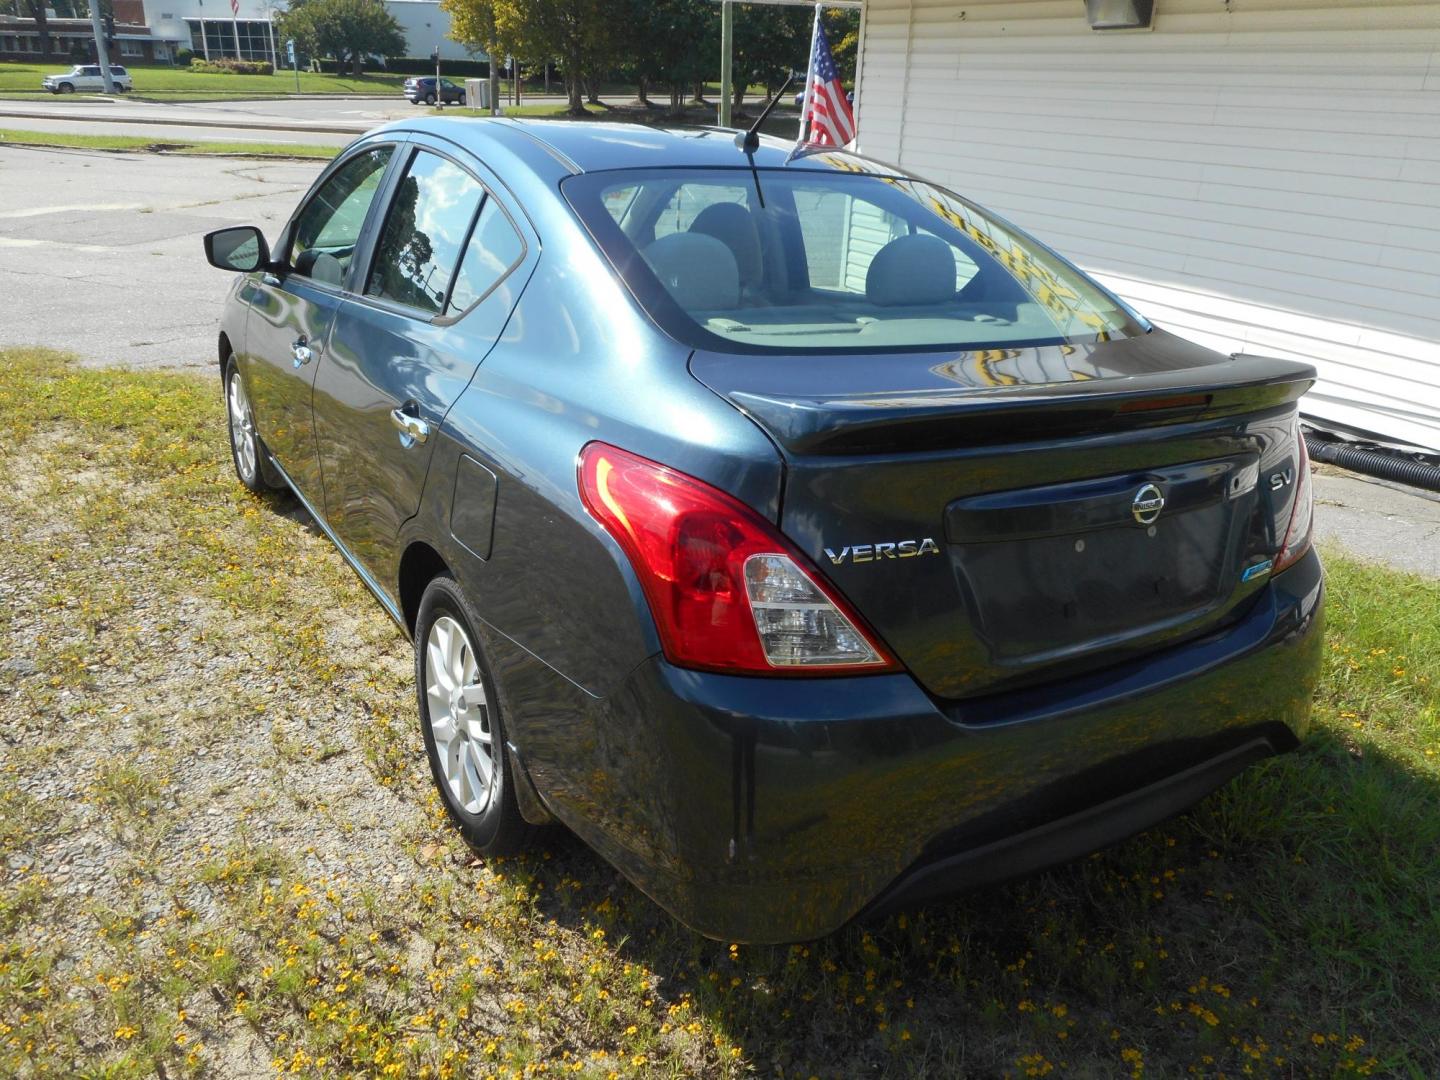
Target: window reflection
420, 245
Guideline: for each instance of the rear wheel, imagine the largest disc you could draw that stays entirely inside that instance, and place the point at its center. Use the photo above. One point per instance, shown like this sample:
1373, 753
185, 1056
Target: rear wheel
247, 449
67, 88
429, 99
462, 724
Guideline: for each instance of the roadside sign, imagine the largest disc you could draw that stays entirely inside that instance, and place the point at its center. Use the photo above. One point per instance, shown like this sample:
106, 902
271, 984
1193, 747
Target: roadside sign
290, 52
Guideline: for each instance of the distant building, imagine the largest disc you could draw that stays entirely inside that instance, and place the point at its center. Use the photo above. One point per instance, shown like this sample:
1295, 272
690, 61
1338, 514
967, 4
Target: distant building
425, 26
211, 31
74, 39
154, 31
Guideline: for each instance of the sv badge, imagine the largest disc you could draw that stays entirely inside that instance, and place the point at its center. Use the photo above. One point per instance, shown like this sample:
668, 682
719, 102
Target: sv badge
899, 549
1280, 479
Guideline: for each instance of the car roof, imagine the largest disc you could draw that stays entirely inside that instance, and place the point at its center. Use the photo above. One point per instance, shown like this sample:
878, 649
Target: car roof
598, 145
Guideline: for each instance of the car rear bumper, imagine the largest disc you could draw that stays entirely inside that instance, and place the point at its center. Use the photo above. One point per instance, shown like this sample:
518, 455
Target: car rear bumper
762, 809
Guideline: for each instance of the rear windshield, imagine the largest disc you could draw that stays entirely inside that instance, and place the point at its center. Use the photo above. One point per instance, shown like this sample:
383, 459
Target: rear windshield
809, 261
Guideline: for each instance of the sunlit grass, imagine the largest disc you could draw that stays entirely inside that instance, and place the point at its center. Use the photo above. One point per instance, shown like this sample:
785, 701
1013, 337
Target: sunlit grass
17, 137
22, 76
1285, 927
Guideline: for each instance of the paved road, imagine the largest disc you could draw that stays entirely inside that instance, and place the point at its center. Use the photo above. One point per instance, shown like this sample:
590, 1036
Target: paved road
336, 120
328, 112
100, 253
1378, 521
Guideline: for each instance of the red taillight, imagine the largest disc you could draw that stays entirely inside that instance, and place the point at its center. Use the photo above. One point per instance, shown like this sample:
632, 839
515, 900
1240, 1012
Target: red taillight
727, 592
1302, 514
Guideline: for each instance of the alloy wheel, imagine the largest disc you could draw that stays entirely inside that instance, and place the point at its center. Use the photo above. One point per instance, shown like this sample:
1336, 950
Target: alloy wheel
459, 715
242, 428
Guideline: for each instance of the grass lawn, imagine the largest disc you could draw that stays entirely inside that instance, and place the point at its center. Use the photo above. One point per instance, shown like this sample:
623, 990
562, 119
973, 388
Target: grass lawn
222, 855
176, 83
16, 137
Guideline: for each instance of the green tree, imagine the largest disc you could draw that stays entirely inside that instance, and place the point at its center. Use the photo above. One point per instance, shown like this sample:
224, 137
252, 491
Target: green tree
472, 24
770, 42
345, 29
842, 27
580, 34
671, 43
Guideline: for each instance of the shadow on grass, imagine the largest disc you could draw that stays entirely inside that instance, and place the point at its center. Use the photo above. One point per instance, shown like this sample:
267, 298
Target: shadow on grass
1287, 923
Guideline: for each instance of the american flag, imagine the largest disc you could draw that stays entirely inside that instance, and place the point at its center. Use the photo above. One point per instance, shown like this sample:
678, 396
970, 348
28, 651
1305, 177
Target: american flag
235, 8
831, 121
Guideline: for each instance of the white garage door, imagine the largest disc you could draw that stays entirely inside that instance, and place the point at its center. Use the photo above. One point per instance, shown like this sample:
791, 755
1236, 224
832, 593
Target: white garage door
1258, 175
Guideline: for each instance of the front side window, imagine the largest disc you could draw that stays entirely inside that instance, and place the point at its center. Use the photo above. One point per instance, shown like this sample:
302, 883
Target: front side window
803, 260
425, 231
329, 226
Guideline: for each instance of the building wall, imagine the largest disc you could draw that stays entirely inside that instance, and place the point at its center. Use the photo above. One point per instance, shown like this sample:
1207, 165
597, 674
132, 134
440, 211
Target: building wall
425, 26
1258, 175
422, 22
73, 41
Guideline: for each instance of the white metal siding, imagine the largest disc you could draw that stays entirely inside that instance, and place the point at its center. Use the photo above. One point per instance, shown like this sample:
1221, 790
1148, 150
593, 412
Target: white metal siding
1257, 175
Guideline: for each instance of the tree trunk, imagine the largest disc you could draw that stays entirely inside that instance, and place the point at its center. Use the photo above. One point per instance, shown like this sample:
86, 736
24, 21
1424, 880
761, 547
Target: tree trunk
355, 61
575, 91
738, 101
699, 98
642, 92
42, 25
592, 91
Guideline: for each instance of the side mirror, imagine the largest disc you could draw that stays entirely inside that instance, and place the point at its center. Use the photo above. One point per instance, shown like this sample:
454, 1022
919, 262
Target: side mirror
241, 248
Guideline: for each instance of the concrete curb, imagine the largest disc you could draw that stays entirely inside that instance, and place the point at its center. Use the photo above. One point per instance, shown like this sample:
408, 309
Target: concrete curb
357, 128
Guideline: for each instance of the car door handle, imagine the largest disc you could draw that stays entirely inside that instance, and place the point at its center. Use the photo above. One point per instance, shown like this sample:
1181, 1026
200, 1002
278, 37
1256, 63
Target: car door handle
412, 429
302, 352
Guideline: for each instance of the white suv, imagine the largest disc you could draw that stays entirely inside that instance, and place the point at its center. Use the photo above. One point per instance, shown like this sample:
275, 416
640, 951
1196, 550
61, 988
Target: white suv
87, 77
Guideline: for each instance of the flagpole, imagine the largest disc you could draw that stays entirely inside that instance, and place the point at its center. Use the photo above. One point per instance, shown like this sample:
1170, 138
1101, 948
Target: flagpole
809, 82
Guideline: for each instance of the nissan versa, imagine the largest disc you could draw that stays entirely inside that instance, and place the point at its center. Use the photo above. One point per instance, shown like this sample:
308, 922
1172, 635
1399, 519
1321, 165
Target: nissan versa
806, 539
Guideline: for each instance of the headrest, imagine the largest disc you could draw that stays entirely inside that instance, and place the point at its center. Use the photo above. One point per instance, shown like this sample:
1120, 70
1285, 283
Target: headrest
320, 266
914, 269
698, 271
733, 225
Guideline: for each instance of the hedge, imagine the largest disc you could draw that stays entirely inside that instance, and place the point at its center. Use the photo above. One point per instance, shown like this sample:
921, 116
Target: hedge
225, 66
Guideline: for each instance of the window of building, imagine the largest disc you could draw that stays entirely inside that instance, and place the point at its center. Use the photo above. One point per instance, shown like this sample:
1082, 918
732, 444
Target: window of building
131, 48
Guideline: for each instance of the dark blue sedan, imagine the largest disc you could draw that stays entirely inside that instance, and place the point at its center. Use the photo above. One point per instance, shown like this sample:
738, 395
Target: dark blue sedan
808, 540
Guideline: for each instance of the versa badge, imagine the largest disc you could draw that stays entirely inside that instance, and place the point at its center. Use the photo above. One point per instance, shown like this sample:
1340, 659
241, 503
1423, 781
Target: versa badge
899, 549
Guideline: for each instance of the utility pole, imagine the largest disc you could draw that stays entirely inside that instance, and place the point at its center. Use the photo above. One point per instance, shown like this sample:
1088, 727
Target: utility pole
102, 51
727, 60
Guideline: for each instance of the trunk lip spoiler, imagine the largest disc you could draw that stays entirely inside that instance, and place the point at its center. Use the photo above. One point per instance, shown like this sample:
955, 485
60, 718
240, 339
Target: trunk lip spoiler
846, 422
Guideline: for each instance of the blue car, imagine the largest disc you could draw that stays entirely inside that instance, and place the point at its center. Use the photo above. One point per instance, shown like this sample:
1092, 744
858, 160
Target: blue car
806, 539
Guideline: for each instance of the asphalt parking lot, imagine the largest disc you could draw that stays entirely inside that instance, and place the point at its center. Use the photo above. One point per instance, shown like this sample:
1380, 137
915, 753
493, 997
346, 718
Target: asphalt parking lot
100, 252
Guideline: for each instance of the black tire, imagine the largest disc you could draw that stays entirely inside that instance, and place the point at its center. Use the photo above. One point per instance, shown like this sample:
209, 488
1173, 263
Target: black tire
66, 88
253, 469
498, 827
429, 99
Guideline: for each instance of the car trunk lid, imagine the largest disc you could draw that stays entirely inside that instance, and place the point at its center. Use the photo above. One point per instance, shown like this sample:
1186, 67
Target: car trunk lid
1002, 517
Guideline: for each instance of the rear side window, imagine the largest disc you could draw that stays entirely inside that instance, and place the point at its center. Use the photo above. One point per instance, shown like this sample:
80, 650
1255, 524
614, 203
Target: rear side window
424, 233
494, 248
